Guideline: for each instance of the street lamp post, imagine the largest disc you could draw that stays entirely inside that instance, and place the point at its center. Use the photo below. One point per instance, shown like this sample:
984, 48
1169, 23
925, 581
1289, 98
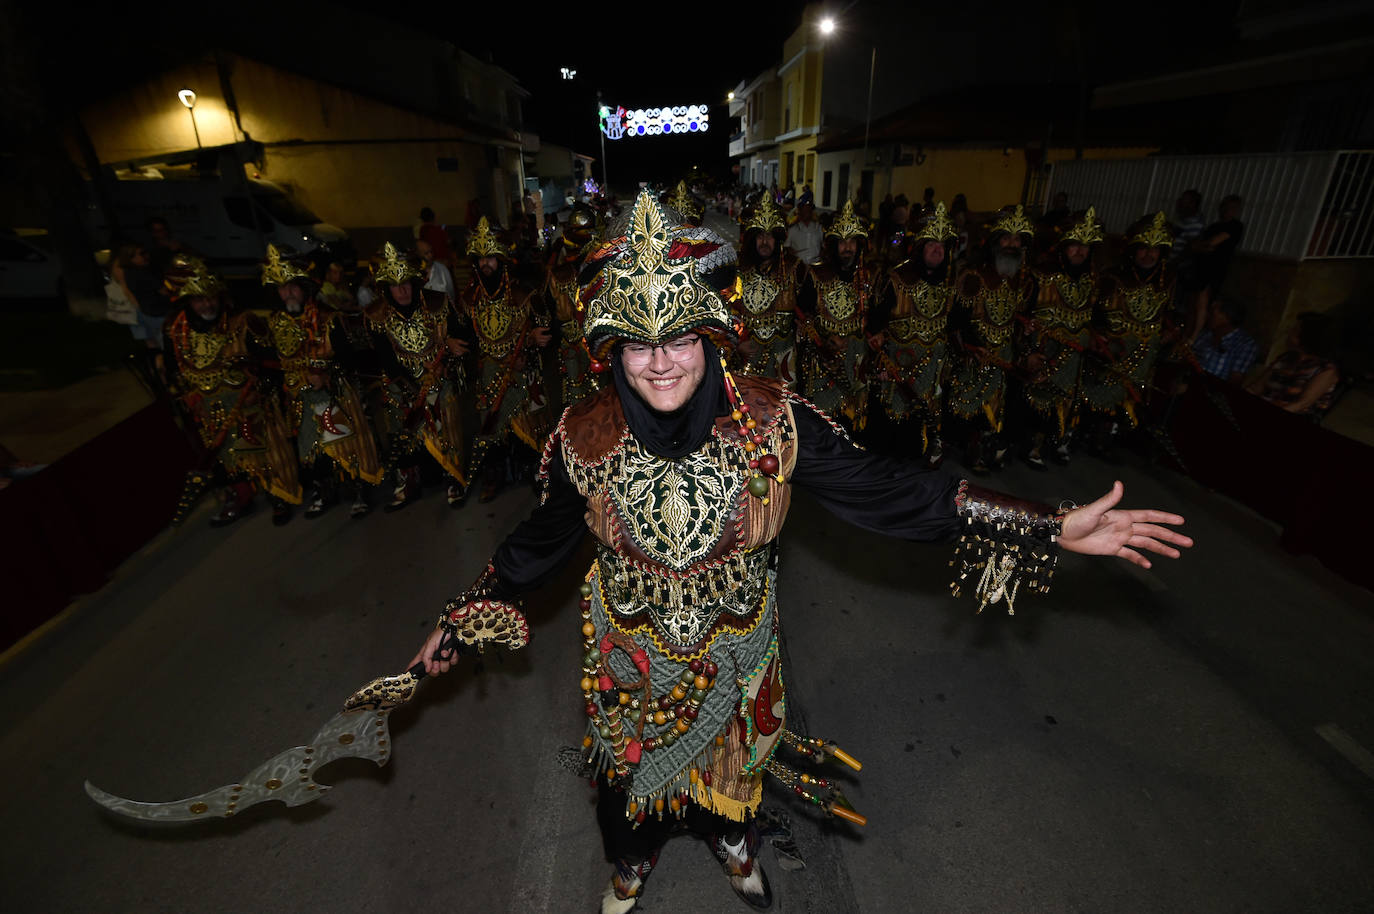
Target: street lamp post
188, 98
827, 27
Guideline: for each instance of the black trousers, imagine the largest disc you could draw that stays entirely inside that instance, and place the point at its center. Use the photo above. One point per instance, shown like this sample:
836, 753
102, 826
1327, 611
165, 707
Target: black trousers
622, 840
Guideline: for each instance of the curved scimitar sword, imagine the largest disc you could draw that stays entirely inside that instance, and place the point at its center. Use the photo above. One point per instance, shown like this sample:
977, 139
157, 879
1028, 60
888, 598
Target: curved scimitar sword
359, 731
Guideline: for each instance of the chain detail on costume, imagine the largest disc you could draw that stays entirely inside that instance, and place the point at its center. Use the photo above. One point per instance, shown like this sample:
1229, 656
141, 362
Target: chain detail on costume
1005, 544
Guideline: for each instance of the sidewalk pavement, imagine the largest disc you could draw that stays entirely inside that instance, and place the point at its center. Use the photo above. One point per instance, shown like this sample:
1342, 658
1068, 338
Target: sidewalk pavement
42, 425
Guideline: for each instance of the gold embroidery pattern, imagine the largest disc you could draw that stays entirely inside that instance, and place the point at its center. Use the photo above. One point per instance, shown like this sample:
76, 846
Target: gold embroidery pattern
999, 308
416, 338
922, 311
838, 313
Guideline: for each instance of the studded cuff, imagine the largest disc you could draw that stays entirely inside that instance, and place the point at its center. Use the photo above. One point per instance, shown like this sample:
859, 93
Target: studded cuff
1006, 544
486, 615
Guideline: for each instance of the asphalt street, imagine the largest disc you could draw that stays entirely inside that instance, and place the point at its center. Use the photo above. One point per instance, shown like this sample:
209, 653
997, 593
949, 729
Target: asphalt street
1133, 741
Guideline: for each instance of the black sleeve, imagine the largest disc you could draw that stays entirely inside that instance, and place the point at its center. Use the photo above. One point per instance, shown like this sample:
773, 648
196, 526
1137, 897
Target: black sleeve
894, 497
547, 539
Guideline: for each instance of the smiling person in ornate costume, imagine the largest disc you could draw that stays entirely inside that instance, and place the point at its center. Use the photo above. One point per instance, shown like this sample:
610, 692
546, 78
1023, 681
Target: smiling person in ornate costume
1057, 335
769, 277
683, 475
507, 320
833, 303
911, 324
322, 406
990, 298
415, 335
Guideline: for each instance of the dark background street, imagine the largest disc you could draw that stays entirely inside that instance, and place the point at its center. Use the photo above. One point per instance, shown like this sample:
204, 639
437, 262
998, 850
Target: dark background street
1134, 741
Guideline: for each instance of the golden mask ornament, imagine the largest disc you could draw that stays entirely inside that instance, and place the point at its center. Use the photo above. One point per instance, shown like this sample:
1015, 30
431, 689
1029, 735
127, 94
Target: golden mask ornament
484, 243
1087, 231
278, 272
939, 227
1014, 223
1156, 235
847, 224
396, 268
766, 217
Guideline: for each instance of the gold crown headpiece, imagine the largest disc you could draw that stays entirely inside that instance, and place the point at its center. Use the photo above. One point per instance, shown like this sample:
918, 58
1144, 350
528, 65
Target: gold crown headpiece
191, 277
1014, 223
395, 268
847, 224
939, 227
484, 243
278, 272
1156, 235
651, 291
683, 201
766, 217
1088, 231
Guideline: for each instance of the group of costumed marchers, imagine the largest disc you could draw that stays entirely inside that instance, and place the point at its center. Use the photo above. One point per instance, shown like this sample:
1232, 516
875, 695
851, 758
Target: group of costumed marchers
682, 470
1018, 351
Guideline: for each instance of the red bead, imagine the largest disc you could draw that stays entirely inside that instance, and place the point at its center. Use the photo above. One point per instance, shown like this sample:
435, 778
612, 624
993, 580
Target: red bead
711, 670
744, 433
797, 790
632, 752
639, 816
769, 464
677, 711
744, 407
753, 464
591, 709
706, 778
598, 367
665, 703
757, 439
604, 684
650, 744
690, 712
584, 604
694, 666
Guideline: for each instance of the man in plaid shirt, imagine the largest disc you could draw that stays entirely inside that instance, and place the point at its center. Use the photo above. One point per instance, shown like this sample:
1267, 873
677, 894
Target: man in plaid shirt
1224, 349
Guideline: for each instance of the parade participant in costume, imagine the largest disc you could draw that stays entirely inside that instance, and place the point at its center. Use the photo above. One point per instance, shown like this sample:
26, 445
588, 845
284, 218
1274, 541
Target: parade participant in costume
565, 261
770, 275
241, 430
683, 474
415, 335
1132, 305
911, 318
509, 325
833, 302
325, 411
686, 204
990, 297
1058, 333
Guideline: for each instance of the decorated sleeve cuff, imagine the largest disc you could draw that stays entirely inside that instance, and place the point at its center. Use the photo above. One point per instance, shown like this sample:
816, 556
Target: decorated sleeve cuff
1006, 545
487, 614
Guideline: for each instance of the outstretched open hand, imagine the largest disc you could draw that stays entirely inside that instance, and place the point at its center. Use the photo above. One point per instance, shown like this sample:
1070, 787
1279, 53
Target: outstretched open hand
1101, 528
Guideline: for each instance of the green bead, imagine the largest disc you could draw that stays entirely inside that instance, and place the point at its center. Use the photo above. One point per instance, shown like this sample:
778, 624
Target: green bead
698, 695
758, 486
605, 731
586, 588
687, 677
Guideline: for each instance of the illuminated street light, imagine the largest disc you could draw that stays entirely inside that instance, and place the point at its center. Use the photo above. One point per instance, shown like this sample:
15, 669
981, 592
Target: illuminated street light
188, 98
729, 96
827, 25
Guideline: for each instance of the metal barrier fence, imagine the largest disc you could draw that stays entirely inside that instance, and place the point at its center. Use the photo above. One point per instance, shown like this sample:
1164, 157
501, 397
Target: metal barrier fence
1297, 206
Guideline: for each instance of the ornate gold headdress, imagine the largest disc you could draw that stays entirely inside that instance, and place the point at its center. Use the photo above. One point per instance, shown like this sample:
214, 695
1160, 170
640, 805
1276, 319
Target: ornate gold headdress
939, 227
1156, 235
198, 278
1015, 223
847, 224
683, 201
396, 268
278, 272
766, 217
484, 242
649, 295
1086, 232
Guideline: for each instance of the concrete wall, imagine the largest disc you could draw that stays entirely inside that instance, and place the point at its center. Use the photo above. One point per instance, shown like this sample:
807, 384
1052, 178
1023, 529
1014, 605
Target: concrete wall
355, 161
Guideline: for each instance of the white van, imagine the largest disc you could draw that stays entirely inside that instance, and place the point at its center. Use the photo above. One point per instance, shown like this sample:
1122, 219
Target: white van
229, 223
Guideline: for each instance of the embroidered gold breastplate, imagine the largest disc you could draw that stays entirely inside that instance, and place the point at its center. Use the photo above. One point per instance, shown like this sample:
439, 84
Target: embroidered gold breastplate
498, 323
1069, 302
205, 371
921, 312
1137, 310
837, 311
767, 305
415, 338
999, 309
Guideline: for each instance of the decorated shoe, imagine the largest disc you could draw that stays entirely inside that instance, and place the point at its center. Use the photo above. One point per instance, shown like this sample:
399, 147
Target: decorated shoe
740, 862
315, 505
407, 490
360, 508
627, 882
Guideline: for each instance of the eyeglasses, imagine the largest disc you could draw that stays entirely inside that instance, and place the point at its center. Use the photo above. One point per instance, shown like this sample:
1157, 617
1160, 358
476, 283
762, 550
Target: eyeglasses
679, 350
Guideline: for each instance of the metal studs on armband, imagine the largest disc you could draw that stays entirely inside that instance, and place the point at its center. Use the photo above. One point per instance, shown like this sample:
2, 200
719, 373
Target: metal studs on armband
1006, 546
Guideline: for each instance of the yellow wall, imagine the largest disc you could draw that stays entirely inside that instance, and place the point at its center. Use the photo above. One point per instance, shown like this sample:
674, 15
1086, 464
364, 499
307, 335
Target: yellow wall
351, 184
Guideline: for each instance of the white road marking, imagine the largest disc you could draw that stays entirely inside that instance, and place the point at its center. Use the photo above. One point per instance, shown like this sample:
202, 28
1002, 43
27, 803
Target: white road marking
1354, 753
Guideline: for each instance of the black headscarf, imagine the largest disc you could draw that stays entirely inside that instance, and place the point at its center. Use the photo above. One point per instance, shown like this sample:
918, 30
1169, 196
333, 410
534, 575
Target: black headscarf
685, 430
